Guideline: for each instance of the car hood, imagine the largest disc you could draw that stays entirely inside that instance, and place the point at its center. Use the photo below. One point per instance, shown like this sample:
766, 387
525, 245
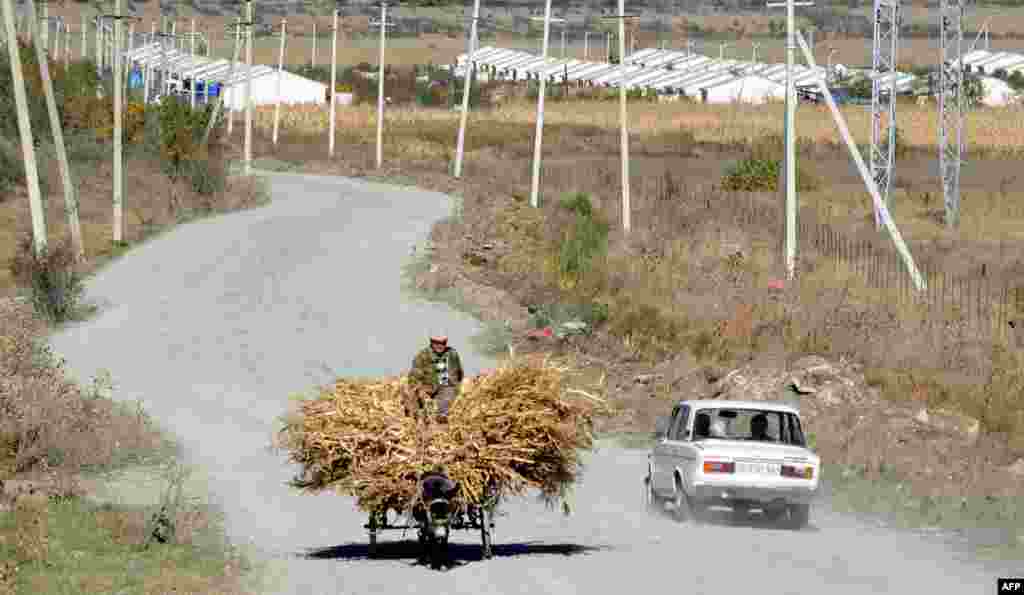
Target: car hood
758, 450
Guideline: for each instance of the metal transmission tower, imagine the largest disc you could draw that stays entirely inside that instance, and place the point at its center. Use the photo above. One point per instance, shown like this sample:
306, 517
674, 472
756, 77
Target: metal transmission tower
951, 105
883, 98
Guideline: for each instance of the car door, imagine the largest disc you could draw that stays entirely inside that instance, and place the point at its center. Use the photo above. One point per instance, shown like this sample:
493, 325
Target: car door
661, 464
683, 452
673, 449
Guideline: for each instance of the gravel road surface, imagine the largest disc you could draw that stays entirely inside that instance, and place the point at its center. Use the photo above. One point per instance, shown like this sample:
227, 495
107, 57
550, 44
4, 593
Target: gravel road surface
213, 326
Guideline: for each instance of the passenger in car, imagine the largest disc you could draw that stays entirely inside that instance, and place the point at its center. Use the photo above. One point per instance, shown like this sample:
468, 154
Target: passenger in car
702, 426
759, 428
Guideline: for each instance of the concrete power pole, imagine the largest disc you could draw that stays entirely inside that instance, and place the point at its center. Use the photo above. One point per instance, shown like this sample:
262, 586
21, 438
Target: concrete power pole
118, 131
334, 85
790, 161
380, 84
623, 122
147, 83
220, 97
869, 182
538, 135
238, 44
85, 36
312, 60
280, 75
247, 168
467, 79
70, 196
28, 152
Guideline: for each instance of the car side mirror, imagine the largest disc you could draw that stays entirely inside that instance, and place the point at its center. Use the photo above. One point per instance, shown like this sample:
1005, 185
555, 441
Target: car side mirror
661, 428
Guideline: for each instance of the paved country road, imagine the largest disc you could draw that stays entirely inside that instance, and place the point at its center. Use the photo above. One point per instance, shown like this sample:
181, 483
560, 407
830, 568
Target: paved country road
213, 325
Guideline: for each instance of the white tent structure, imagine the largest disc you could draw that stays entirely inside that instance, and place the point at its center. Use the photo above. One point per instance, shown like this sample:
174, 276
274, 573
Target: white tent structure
748, 89
170, 68
987, 63
997, 93
665, 71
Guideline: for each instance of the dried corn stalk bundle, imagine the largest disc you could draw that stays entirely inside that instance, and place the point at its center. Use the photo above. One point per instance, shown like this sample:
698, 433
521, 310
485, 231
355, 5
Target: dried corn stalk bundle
516, 428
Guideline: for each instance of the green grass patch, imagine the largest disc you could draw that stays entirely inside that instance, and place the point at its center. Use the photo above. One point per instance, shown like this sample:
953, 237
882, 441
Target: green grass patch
992, 525
95, 549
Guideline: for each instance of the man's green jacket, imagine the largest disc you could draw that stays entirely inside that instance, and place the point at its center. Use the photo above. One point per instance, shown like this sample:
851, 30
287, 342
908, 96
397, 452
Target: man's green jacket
433, 369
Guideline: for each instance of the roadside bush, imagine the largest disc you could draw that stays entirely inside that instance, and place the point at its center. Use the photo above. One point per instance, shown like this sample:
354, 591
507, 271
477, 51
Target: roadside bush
12, 168
585, 240
181, 130
38, 116
56, 287
760, 174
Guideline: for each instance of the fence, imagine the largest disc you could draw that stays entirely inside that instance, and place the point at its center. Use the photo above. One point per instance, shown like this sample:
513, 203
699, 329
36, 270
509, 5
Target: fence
988, 302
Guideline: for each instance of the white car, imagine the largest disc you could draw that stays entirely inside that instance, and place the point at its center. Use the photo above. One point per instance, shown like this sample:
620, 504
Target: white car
743, 455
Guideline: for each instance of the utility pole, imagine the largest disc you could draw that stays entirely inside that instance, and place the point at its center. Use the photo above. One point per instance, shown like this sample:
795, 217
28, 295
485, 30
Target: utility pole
148, 74
35, 201
951, 106
280, 68
220, 97
194, 87
623, 119
467, 80
869, 182
238, 44
118, 131
312, 61
334, 84
538, 135
608, 46
247, 169
586, 45
790, 162
85, 36
44, 34
70, 197
380, 85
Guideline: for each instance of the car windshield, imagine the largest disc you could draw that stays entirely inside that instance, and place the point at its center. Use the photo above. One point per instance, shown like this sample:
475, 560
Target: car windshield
758, 425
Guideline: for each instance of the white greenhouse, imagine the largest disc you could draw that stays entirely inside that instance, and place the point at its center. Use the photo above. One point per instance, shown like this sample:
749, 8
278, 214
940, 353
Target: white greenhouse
172, 72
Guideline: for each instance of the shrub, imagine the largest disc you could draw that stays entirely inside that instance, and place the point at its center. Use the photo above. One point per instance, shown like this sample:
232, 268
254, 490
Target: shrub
56, 287
12, 167
206, 176
760, 174
584, 240
38, 116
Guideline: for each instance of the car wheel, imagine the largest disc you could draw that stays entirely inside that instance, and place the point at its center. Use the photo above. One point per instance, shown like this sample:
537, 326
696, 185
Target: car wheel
681, 511
652, 502
799, 516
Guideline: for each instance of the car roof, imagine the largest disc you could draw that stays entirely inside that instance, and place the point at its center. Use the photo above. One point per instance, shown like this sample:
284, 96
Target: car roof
733, 404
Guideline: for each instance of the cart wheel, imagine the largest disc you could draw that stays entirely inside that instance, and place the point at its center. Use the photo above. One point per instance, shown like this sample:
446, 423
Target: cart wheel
485, 533
372, 549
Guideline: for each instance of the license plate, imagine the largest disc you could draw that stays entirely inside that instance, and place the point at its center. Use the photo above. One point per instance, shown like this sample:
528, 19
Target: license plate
759, 468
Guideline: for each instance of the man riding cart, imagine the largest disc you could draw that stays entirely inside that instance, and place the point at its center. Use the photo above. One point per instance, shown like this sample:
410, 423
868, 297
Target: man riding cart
437, 369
